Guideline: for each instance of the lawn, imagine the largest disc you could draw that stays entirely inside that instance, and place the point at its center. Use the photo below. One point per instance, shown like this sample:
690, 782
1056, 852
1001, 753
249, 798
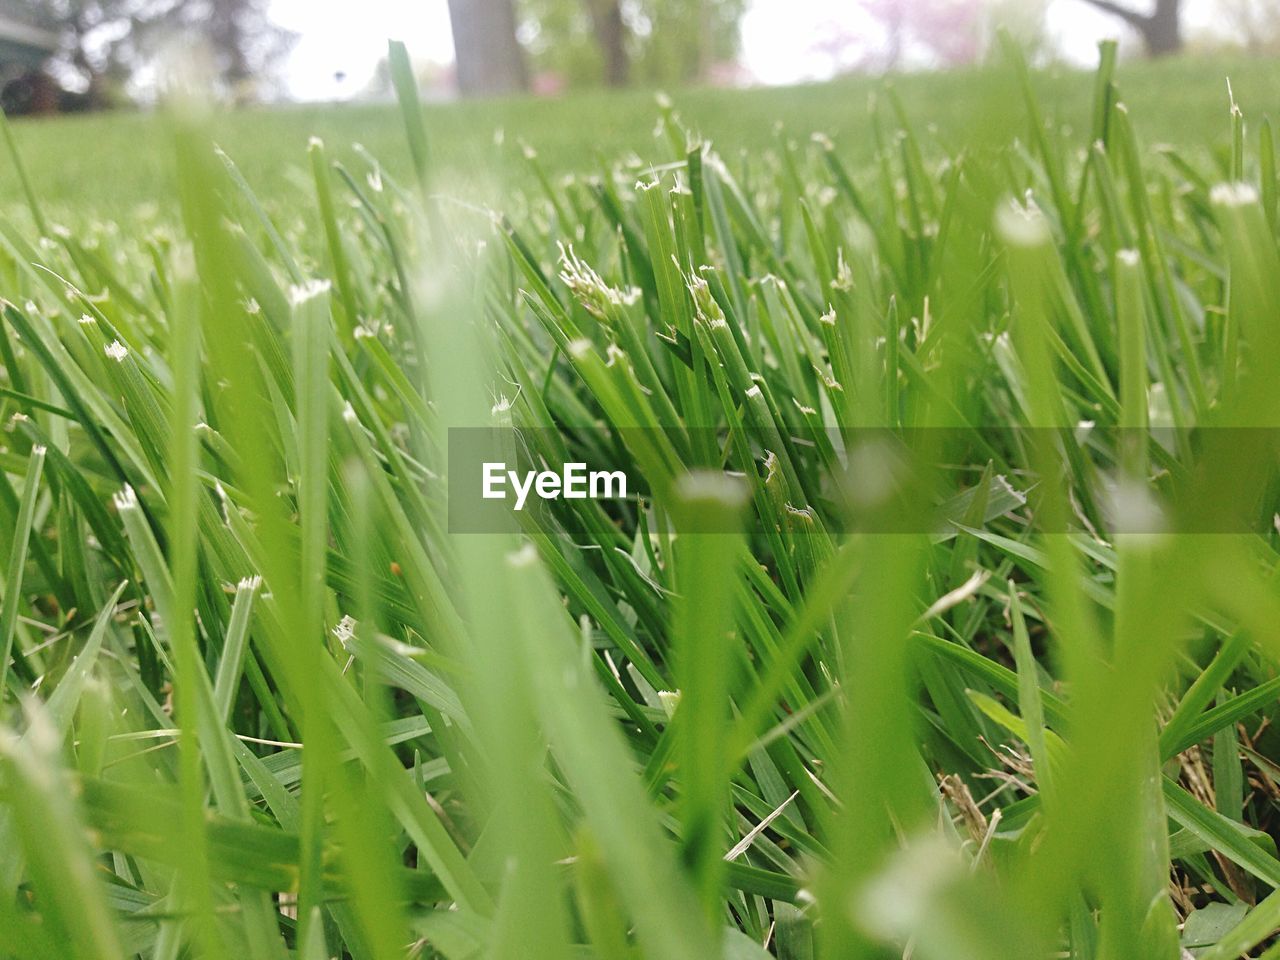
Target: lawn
938, 619
108, 165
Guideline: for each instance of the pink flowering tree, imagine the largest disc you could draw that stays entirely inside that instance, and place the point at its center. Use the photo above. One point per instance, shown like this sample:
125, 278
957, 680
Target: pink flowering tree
948, 32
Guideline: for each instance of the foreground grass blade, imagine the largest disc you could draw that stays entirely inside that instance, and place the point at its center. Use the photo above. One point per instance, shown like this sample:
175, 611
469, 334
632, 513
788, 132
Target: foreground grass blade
56, 843
17, 561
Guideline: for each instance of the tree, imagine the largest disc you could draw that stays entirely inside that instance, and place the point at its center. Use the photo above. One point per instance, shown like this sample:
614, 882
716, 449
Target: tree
892, 17
489, 58
1254, 23
949, 32
103, 42
93, 50
616, 42
611, 39
240, 37
1026, 21
682, 40
1161, 29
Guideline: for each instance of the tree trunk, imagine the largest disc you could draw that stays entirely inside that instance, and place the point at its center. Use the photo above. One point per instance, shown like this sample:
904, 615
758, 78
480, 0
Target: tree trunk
489, 58
1161, 30
611, 38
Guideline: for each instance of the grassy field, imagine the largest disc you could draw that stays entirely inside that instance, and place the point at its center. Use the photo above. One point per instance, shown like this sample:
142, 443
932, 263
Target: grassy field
940, 621
109, 165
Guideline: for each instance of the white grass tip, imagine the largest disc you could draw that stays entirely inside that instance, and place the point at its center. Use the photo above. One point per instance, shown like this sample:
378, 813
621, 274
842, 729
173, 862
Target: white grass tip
300, 293
116, 350
1234, 195
1128, 258
1022, 226
87, 319
589, 287
523, 557
669, 699
711, 488
1132, 510
125, 499
345, 630
873, 471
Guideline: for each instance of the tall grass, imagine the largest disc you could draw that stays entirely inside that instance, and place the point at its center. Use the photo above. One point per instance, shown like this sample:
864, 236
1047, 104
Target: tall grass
262, 697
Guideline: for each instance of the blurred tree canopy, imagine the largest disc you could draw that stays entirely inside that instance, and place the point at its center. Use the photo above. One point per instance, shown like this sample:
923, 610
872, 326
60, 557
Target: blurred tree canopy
1256, 21
244, 42
944, 33
616, 42
949, 30
102, 43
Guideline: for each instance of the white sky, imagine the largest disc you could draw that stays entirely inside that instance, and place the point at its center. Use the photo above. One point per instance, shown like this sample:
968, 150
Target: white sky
777, 38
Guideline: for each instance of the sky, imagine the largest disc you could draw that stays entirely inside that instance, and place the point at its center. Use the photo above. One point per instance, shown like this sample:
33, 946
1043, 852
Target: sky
340, 42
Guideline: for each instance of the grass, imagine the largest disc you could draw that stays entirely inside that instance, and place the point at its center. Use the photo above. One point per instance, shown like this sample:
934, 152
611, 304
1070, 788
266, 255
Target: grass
795, 700
97, 165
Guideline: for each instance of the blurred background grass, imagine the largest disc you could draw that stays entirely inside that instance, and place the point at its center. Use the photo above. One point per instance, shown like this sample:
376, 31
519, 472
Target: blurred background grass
106, 165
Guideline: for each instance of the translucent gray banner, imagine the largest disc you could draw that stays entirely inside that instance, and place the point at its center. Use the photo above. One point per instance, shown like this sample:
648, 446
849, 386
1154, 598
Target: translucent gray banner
935, 481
